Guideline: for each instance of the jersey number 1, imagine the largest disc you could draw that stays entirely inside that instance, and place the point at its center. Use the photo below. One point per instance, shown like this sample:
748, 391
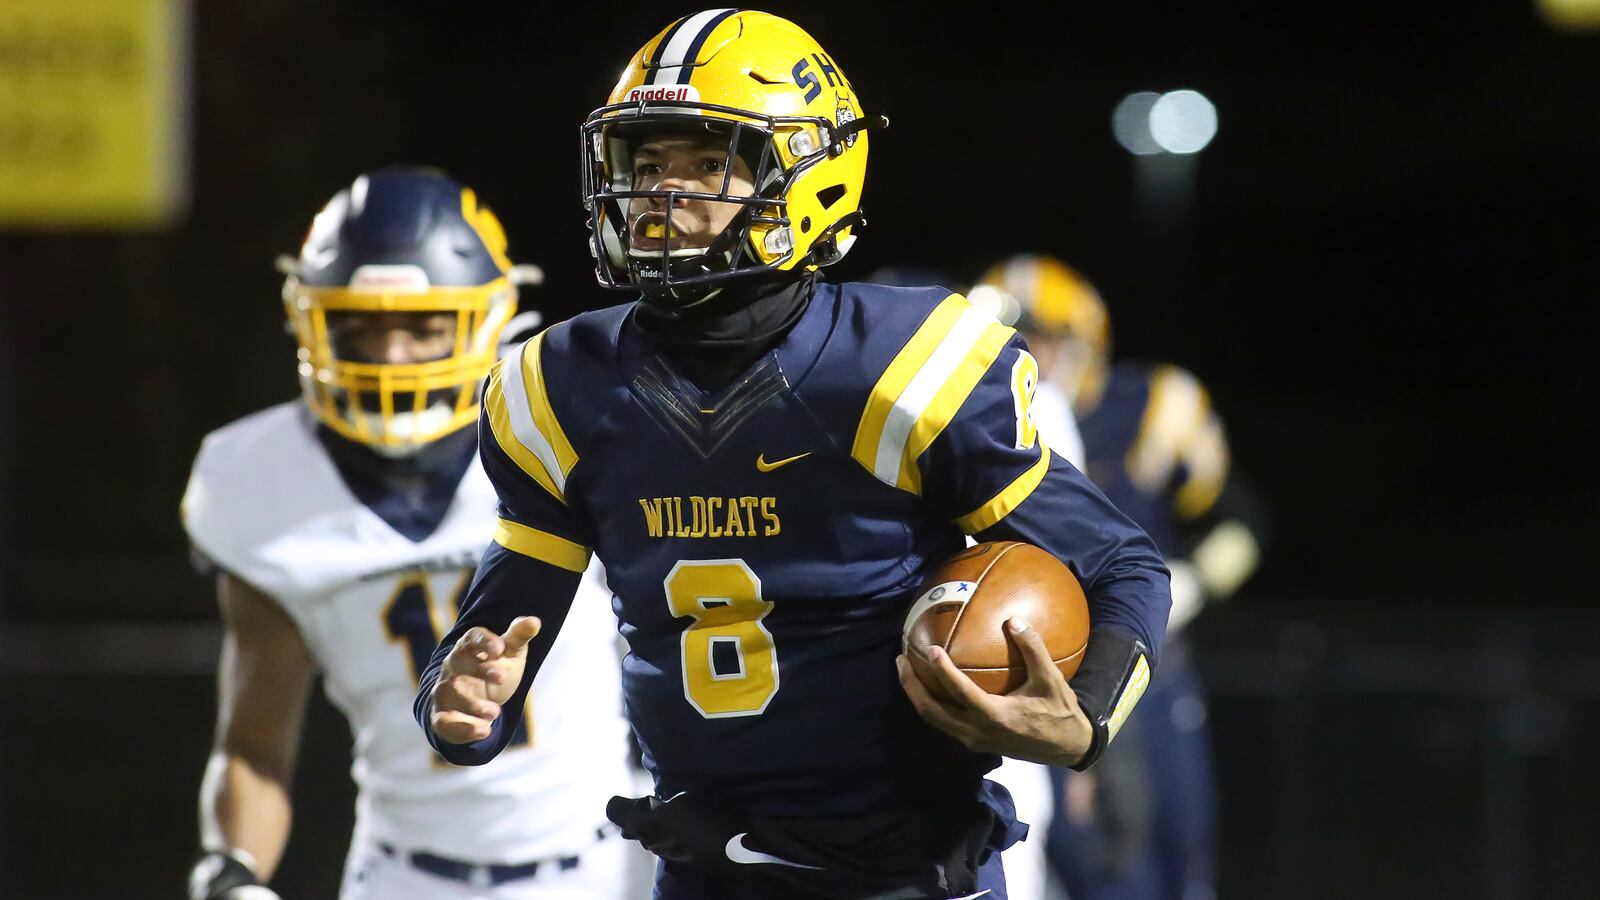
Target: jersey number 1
730, 667
410, 619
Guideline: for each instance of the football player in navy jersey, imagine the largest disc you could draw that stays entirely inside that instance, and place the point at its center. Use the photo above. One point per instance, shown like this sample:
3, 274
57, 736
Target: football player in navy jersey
768, 465
1141, 827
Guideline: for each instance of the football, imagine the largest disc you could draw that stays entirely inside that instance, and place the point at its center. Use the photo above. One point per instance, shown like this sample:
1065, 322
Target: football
963, 607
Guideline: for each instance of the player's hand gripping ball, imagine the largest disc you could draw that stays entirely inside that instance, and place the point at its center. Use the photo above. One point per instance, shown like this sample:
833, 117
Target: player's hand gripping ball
965, 604
989, 645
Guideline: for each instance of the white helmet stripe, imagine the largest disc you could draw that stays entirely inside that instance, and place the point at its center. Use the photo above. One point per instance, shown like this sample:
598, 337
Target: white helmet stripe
691, 33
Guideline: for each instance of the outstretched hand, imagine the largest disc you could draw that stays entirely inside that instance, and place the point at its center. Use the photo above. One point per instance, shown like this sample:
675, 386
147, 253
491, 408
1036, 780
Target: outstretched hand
481, 673
1039, 722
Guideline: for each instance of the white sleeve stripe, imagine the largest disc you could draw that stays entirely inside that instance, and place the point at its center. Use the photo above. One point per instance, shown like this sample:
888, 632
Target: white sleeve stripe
522, 425
911, 403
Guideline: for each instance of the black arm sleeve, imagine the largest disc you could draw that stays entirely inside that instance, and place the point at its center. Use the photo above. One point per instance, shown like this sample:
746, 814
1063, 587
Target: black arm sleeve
1114, 673
506, 585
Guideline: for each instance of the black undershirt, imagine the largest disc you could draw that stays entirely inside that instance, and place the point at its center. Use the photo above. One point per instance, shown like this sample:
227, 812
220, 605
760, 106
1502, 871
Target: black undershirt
713, 343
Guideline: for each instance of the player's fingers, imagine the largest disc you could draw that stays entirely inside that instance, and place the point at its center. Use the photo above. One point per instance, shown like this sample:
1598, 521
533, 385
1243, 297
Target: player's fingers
485, 642
908, 678
465, 695
464, 659
956, 683
459, 728
1042, 671
453, 690
523, 629
927, 705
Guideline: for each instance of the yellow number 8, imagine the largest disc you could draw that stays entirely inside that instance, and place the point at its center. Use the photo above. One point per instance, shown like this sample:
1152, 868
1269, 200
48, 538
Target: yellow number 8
729, 666
1024, 381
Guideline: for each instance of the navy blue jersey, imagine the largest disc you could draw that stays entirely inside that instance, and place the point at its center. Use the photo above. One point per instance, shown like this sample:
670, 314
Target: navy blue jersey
764, 541
1156, 447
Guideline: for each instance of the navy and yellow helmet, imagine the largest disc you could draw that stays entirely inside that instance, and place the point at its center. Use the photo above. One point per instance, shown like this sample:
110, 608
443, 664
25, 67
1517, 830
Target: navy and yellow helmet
767, 88
408, 241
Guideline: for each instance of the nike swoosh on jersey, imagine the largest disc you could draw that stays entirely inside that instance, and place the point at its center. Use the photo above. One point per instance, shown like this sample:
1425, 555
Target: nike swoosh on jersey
764, 466
743, 855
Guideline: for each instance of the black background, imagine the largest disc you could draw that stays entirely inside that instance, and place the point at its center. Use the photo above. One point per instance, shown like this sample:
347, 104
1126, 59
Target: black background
1382, 274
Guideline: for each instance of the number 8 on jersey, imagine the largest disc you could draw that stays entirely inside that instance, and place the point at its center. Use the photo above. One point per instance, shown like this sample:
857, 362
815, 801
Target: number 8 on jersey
730, 667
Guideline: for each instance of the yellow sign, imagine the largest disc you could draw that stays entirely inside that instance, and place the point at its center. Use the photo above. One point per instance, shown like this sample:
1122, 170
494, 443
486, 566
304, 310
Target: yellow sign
1572, 15
92, 102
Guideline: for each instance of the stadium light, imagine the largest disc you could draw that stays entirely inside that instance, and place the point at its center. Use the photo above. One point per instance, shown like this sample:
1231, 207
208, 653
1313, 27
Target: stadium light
1130, 123
1183, 122
1180, 122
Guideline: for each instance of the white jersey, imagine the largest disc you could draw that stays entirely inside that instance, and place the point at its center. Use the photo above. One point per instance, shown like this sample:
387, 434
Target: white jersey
1052, 415
266, 504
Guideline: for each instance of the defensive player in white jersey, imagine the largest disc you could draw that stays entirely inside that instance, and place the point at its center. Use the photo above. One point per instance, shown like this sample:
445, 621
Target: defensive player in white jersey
344, 530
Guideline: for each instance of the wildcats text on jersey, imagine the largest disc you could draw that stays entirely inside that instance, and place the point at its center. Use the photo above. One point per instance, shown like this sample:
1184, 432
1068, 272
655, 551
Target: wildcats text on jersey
711, 517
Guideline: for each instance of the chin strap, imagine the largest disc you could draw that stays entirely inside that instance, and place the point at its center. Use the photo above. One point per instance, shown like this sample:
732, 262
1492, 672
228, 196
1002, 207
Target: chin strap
828, 240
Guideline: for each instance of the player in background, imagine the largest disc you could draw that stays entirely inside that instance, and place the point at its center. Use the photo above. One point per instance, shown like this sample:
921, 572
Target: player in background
1030, 784
344, 529
768, 464
1141, 827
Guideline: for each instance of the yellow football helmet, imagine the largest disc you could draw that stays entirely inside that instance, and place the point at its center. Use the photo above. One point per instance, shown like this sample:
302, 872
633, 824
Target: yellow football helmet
413, 245
1059, 311
781, 104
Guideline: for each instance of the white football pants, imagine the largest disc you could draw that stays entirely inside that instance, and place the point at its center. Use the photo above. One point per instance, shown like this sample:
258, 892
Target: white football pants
610, 870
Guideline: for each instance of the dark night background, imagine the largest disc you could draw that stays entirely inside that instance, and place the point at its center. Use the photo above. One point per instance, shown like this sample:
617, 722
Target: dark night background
1381, 274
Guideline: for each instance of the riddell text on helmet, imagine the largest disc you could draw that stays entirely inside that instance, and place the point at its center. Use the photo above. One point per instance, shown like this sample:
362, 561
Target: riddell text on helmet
681, 93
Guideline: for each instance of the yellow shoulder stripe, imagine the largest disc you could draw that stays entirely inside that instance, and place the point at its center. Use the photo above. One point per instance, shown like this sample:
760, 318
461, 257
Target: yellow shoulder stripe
541, 545
923, 387
948, 399
544, 417
525, 424
1009, 498
894, 379
494, 405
